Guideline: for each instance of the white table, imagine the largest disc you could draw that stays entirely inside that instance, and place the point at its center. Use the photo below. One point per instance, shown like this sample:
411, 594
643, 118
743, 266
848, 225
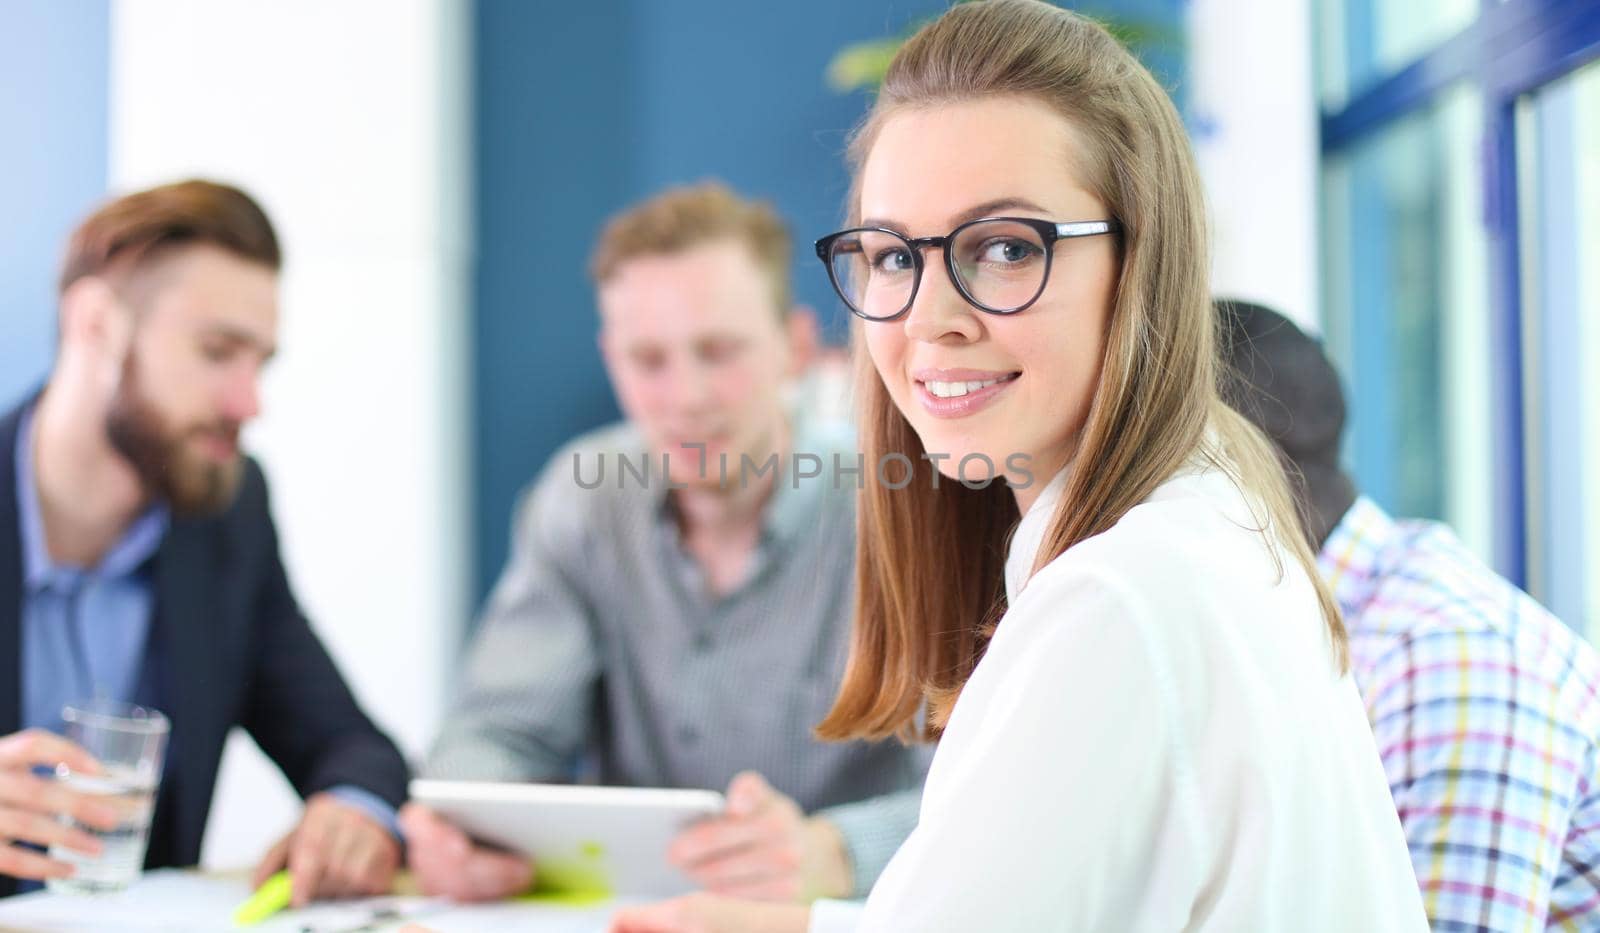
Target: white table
173, 901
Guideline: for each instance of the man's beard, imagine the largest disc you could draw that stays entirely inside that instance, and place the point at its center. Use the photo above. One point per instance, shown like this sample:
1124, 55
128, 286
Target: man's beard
189, 484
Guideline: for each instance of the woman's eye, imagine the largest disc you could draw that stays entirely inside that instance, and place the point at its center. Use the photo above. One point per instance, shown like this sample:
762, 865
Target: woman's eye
1006, 252
892, 260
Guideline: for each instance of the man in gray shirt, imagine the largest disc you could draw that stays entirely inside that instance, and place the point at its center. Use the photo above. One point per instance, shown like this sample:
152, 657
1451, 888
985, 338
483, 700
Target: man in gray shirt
676, 608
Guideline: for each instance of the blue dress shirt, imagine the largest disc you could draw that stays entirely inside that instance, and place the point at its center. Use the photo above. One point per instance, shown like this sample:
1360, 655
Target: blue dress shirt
85, 630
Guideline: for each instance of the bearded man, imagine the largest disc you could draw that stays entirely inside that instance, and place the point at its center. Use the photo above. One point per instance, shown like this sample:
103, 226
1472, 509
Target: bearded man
139, 562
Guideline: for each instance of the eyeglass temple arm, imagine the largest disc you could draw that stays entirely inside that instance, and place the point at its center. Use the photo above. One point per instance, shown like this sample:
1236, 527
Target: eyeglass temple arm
827, 244
1087, 228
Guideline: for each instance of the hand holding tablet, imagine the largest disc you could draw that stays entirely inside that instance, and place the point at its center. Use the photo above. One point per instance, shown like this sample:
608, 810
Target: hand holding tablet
583, 841
445, 862
764, 847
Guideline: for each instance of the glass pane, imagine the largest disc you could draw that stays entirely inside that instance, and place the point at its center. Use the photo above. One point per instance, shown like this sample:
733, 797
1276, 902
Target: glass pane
1361, 42
1405, 293
1558, 165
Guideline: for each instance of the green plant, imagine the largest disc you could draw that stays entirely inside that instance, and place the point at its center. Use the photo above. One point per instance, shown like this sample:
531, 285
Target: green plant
862, 65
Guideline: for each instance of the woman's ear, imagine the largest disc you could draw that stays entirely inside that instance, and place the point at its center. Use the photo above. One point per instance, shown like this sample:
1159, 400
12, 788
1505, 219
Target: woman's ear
804, 337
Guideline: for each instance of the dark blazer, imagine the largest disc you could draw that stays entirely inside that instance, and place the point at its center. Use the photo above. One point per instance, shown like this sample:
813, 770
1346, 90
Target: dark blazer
228, 647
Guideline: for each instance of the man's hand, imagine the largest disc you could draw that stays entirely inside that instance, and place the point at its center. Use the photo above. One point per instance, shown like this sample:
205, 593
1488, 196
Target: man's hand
31, 807
764, 848
711, 913
336, 851
445, 862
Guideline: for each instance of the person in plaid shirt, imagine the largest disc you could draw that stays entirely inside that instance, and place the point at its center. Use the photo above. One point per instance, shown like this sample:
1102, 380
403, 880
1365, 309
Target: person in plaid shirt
1483, 704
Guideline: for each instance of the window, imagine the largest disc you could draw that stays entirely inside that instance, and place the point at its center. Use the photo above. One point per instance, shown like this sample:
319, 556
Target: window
1558, 174
1406, 307
1364, 41
1460, 202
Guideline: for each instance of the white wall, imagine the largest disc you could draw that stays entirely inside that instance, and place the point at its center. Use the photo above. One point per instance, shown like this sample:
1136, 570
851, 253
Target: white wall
1251, 87
347, 120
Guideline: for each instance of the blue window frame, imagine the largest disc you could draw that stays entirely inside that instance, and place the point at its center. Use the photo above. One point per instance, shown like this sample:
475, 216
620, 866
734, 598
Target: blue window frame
1501, 54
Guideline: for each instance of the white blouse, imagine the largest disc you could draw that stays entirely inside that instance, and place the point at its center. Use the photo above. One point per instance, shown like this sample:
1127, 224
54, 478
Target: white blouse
1157, 738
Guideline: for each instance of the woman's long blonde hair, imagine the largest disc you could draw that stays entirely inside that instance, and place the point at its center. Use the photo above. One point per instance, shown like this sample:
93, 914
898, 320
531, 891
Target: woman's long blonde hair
930, 562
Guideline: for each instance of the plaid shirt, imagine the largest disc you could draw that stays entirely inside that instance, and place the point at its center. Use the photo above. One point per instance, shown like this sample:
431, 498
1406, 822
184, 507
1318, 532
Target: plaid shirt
1486, 715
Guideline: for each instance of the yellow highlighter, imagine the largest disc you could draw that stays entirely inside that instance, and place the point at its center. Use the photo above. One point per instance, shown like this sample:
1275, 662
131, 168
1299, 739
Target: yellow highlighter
270, 898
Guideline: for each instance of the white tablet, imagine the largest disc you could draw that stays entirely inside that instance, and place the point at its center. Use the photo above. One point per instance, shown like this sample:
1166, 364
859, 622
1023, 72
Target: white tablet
583, 840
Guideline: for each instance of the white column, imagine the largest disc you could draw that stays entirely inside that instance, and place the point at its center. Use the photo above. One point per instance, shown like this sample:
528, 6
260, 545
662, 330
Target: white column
1254, 111
348, 122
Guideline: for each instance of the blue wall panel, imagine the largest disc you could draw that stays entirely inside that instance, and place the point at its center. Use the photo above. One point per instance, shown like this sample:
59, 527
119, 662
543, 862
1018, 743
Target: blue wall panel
554, 153
579, 114
53, 60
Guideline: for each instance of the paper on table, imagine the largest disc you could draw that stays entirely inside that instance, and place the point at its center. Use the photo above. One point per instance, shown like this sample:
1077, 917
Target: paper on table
158, 900
182, 901
173, 901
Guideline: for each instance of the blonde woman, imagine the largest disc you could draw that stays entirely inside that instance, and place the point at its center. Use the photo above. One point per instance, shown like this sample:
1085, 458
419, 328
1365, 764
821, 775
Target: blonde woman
1139, 683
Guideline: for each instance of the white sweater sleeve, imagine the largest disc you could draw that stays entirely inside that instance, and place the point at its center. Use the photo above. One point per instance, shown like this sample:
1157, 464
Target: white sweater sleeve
1068, 780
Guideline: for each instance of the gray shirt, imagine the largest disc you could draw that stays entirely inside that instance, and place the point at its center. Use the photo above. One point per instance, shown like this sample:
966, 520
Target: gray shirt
602, 643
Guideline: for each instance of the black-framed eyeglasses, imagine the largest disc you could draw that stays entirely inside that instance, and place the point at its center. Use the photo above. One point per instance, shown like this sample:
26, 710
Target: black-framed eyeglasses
999, 264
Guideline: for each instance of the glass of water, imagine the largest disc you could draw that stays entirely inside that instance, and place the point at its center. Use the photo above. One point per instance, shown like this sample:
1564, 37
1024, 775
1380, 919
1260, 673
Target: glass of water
130, 743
